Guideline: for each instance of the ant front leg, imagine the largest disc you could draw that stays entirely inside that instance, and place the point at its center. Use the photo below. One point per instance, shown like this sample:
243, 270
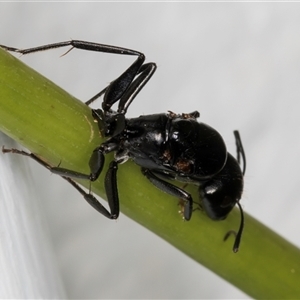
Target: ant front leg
65, 173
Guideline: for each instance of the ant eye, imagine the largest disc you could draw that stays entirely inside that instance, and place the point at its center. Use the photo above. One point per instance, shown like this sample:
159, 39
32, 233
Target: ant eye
227, 201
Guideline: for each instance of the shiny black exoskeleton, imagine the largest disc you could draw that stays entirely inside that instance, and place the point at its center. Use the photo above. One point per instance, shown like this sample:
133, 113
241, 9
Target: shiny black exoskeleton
166, 146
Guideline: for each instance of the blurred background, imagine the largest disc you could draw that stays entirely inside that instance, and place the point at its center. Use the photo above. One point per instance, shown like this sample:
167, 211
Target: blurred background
238, 64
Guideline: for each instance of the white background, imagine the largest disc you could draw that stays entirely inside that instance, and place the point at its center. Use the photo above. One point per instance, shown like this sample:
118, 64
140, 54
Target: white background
237, 63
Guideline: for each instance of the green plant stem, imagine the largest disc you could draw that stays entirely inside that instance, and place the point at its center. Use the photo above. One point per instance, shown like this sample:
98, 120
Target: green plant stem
60, 129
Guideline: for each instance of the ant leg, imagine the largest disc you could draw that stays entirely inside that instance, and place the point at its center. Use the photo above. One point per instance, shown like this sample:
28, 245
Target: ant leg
90, 101
126, 91
103, 120
111, 189
93, 201
124, 88
96, 161
145, 73
83, 45
116, 88
171, 190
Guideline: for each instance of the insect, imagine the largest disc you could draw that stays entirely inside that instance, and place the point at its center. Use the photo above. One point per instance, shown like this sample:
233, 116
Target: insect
167, 146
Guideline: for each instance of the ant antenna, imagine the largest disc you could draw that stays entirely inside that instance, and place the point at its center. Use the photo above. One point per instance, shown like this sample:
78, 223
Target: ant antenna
240, 150
239, 234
